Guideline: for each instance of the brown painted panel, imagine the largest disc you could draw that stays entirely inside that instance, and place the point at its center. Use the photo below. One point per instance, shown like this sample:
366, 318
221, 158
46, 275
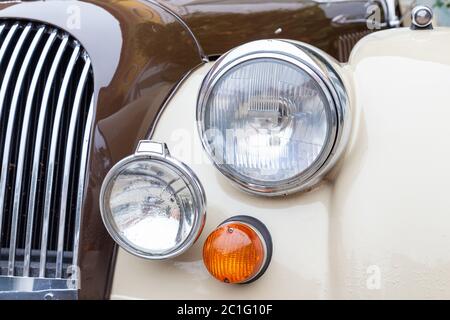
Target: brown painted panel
139, 52
221, 25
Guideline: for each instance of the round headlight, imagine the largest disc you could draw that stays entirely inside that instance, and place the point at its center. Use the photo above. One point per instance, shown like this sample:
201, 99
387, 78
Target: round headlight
152, 205
271, 116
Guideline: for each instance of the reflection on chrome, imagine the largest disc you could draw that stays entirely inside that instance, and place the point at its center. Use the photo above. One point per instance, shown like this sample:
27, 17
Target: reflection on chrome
153, 205
146, 203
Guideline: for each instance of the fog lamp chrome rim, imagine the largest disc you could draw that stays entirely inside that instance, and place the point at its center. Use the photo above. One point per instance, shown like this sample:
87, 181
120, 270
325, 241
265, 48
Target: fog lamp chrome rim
318, 66
157, 153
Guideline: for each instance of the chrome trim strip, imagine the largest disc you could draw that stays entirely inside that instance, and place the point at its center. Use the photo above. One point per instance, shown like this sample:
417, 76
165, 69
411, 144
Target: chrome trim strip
3, 49
393, 19
23, 139
9, 132
51, 158
82, 181
67, 164
24, 288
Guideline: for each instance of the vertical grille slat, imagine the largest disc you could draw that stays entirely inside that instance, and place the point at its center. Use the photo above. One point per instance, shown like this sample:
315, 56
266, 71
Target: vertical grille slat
81, 182
23, 141
51, 161
3, 92
67, 165
7, 145
46, 113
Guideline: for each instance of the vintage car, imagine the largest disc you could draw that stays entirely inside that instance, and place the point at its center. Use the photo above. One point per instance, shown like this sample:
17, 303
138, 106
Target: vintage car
204, 149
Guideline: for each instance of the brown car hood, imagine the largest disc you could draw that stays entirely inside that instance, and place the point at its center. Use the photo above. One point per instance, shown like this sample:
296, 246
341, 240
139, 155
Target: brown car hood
220, 25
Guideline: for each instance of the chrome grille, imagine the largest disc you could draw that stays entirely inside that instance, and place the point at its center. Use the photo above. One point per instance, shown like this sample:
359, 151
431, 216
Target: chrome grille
46, 112
346, 42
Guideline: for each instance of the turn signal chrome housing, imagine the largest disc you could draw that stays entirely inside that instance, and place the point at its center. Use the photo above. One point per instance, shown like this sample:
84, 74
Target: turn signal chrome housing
238, 251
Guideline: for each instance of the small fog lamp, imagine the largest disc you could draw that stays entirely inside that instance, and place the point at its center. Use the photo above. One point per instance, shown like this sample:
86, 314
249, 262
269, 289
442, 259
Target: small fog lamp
152, 205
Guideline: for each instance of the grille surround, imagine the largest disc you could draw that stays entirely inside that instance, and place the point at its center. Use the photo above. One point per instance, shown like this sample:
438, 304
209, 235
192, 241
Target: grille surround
46, 113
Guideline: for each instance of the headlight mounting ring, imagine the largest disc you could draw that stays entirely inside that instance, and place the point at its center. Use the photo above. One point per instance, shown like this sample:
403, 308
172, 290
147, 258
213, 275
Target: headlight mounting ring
324, 71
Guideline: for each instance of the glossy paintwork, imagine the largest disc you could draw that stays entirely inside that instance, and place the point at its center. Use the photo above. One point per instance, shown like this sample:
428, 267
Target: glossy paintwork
391, 208
377, 227
222, 25
139, 52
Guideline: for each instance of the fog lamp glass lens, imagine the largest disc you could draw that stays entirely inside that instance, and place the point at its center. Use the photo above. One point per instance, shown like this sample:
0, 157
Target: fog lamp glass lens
266, 121
152, 209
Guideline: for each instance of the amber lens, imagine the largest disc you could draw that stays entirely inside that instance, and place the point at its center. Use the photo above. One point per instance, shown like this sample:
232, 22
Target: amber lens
234, 253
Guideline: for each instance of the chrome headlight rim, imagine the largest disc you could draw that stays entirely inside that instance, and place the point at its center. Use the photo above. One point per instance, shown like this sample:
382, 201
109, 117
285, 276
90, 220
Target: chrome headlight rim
185, 173
323, 70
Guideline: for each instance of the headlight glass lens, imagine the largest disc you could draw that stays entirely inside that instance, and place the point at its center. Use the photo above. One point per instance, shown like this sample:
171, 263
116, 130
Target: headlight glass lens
266, 121
152, 209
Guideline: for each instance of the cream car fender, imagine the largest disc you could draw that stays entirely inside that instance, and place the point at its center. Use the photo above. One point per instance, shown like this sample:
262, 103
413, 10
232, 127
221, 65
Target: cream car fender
376, 227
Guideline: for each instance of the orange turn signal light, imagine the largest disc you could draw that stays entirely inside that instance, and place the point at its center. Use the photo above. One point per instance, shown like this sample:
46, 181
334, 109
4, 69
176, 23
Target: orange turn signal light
238, 251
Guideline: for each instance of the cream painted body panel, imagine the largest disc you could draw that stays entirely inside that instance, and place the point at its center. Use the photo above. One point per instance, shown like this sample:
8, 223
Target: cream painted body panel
378, 227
